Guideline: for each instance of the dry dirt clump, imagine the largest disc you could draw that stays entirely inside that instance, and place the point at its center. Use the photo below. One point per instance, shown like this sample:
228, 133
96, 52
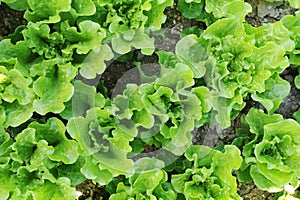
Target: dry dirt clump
267, 12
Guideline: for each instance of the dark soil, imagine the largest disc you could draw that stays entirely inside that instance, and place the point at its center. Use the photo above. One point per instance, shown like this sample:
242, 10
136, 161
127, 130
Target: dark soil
9, 20
90, 190
266, 12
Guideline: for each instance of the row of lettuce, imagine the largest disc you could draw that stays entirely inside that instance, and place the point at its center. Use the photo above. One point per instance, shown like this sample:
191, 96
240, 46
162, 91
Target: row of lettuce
207, 80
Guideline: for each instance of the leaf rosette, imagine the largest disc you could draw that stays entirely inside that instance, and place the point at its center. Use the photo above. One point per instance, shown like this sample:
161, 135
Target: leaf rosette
210, 176
271, 150
102, 139
164, 116
240, 65
35, 159
151, 183
16, 92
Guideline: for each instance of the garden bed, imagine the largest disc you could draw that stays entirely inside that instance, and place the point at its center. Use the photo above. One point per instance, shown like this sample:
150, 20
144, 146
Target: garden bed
123, 70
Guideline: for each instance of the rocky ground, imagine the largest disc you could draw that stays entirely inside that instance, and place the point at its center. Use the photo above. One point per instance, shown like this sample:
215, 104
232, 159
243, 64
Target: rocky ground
212, 136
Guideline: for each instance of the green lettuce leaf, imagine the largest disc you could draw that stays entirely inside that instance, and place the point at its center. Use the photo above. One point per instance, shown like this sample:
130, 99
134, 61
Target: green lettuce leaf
19, 5
245, 61
52, 86
61, 189
46, 11
156, 16
291, 22
14, 86
148, 183
166, 117
123, 42
13, 114
94, 63
38, 151
210, 176
276, 89
192, 53
228, 8
84, 98
84, 7
104, 142
296, 115
271, 155
87, 37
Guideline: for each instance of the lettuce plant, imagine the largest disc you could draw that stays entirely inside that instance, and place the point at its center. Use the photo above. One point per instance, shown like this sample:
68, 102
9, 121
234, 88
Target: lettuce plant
59, 37
72, 29
16, 92
206, 79
210, 176
270, 147
102, 139
241, 65
31, 163
165, 118
149, 183
126, 21
165, 112
103, 143
26, 88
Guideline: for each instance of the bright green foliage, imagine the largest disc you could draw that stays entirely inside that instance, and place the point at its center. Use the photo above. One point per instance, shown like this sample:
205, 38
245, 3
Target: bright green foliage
151, 183
68, 29
192, 54
16, 97
210, 176
53, 85
195, 10
276, 89
122, 42
14, 86
287, 196
292, 24
16, 93
245, 60
85, 40
296, 115
270, 146
209, 11
126, 21
207, 79
94, 62
64, 40
16, 4
124, 14
84, 98
102, 139
14, 114
61, 187
83, 7
165, 111
46, 11
29, 163
166, 118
